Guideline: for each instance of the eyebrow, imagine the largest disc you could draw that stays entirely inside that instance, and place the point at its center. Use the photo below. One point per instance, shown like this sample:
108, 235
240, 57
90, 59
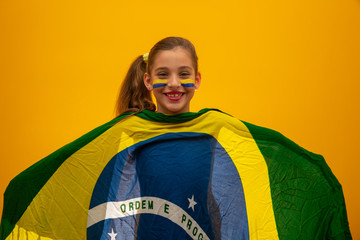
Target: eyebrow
165, 68
161, 68
187, 67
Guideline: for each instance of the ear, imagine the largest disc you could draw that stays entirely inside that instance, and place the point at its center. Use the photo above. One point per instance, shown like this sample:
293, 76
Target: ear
148, 81
197, 80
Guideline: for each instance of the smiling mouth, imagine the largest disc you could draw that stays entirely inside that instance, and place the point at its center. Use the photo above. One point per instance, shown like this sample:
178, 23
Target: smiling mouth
174, 96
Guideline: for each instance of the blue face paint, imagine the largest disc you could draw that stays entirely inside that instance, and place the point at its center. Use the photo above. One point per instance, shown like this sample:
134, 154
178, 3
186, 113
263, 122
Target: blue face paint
159, 83
162, 83
188, 83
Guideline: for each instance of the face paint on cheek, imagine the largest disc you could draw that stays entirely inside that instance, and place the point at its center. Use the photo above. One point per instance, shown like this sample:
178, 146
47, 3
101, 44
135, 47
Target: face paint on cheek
159, 83
188, 83
184, 82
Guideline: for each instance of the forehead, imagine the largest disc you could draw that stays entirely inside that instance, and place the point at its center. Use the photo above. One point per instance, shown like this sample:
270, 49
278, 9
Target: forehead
174, 58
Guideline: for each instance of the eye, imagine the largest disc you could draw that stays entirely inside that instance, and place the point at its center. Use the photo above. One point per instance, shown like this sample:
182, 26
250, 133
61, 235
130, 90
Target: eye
184, 74
162, 74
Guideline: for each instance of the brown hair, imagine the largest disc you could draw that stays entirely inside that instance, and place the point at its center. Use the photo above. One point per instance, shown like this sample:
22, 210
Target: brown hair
134, 96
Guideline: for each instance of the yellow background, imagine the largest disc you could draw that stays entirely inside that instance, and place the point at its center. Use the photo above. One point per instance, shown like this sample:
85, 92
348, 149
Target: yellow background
293, 66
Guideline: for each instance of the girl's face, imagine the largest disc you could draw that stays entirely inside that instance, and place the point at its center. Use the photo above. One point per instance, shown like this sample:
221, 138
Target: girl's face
169, 68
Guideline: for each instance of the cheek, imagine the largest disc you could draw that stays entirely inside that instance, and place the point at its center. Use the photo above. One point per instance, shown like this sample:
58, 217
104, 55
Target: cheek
157, 93
191, 93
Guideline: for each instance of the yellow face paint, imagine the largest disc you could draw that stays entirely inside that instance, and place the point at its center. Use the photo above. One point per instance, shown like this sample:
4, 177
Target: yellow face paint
159, 83
184, 82
188, 83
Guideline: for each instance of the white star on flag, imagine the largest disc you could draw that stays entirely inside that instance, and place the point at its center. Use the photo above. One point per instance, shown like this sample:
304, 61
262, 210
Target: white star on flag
112, 234
192, 202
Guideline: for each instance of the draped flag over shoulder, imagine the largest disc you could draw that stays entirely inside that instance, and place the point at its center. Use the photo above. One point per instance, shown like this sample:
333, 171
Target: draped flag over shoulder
202, 175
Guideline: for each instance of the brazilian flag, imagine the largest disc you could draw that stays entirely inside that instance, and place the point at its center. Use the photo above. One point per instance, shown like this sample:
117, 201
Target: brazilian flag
204, 175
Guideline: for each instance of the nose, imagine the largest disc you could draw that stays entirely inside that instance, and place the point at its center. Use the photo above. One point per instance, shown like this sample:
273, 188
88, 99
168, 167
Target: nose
173, 82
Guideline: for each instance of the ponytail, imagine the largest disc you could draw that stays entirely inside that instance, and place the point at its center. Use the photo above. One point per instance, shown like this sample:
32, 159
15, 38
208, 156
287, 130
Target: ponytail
134, 96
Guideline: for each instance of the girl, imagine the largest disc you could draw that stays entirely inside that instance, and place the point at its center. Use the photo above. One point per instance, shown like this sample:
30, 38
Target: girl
172, 65
174, 174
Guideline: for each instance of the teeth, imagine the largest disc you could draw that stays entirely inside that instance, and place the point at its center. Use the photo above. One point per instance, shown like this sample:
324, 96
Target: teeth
174, 95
